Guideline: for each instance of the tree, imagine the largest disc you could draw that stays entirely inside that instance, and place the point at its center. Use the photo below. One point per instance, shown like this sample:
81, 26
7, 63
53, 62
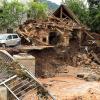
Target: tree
94, 12
12, 14
89, 16
37, 10
80, 10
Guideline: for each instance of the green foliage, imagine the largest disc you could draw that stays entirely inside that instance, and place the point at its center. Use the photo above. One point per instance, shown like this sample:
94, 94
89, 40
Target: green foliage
94, 8
80, 10
12, 14
88, 16
37, 10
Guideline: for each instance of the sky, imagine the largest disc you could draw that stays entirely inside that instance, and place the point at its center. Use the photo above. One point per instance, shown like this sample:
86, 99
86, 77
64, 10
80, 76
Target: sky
56, 1
59, 1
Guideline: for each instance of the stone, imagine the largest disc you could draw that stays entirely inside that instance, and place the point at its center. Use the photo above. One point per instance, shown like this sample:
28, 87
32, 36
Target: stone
92, 77
82, 75
93, 65
85, 56
88, 61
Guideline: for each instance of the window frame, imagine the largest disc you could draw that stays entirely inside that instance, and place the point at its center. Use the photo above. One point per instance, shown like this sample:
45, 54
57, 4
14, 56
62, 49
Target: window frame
16, 37
9, 38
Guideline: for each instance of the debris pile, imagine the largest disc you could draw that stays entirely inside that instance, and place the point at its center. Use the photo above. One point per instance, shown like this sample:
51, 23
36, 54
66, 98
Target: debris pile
84, 60
89, 65
57, 29
39, 29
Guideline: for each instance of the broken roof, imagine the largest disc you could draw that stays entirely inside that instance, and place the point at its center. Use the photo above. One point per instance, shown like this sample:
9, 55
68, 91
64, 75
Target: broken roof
64, 12
96, 36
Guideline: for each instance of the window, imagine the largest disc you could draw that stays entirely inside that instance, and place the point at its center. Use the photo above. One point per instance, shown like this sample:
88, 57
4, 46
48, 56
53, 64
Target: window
15, 36
9, 37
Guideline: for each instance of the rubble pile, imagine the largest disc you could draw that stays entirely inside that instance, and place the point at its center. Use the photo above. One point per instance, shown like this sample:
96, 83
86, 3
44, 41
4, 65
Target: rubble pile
55, 30
89, 66
84, 60
33, 30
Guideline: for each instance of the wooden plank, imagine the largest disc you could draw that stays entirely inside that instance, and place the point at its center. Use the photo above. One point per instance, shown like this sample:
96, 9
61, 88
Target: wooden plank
89, 35
61, 13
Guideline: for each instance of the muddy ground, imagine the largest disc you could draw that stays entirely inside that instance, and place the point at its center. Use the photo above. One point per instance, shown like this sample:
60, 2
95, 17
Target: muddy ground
70, 72
53, 61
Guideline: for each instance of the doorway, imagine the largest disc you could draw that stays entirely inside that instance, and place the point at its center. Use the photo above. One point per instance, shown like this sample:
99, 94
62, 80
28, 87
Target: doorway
54, 38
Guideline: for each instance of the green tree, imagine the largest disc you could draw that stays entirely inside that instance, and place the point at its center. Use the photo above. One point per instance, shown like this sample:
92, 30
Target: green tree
87, 15
12, 14
80, 10
37, 10
94, 12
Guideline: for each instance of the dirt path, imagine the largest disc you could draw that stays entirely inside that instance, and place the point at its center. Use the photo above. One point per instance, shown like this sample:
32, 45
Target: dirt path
70, 88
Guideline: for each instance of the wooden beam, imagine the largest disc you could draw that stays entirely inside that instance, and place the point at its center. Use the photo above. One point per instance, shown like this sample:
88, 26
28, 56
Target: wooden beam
89, 35
61, 13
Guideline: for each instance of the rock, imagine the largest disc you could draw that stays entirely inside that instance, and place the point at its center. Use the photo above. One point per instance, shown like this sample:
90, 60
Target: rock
88, 61
85, 56
92, 77
93, 65
78, 63
79, 56
82, 75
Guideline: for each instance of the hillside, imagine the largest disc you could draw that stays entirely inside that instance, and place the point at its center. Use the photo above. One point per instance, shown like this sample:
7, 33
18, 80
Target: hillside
51, 5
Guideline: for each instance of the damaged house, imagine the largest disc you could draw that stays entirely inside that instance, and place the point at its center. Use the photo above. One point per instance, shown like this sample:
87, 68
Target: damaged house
61, 28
